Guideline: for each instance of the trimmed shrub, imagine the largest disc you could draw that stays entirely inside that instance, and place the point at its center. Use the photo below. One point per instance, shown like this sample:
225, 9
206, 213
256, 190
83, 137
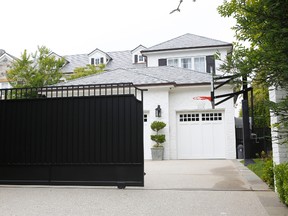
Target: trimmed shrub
158, 138
281, 176
268, 173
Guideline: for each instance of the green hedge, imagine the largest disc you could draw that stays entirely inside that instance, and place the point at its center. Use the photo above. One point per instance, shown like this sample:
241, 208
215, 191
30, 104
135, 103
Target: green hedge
281, 176
268, 173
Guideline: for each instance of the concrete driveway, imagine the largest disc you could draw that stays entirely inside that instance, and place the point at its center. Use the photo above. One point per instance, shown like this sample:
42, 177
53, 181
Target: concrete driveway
183, 187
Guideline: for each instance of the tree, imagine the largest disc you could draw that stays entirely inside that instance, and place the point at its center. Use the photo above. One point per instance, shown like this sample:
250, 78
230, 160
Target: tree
263, 25
86, 71
35, 70
261, 111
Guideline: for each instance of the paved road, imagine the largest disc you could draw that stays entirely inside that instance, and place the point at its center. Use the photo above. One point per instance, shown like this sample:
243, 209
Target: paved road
184, 187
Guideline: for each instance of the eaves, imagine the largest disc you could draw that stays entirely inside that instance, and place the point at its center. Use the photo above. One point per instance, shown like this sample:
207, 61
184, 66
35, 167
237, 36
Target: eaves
186, 48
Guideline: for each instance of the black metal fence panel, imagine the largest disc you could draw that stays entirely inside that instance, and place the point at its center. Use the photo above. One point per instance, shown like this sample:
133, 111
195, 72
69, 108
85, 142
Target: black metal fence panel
260, 141
91, 140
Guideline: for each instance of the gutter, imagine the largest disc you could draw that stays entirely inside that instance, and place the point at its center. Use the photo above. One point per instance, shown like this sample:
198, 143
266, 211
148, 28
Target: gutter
186, 48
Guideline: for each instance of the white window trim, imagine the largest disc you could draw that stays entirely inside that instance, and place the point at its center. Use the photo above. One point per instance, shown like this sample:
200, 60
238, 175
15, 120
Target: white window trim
179, 59
138, 59
204, 57
173, 62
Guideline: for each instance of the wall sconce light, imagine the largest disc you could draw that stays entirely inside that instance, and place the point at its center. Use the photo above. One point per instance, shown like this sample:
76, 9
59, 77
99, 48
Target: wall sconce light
158, 111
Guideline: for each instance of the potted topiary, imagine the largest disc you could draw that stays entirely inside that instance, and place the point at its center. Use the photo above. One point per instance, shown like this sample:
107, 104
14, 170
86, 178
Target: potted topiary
157, 150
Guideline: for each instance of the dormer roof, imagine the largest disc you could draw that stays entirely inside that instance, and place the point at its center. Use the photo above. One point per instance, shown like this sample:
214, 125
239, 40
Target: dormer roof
59, 57
122, 59
101, 52
140, 47
3, 54
187, 41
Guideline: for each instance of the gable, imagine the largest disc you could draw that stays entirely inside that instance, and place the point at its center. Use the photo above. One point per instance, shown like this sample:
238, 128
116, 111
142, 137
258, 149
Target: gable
57, 57
5, 57
97, 56
138, 49
137, 56
5, 62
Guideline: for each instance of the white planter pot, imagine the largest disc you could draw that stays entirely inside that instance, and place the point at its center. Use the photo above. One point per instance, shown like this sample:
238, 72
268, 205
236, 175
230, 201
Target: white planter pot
157, 153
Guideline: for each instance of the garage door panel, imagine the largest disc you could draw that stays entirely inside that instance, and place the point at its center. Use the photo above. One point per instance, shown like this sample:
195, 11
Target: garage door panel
201, 135
219, 141
196, 138
184, 135
207, 144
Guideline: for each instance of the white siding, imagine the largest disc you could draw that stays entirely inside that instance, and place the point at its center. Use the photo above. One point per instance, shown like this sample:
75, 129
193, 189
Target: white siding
181, 99
152, 98
173, 100
153, 58
137, 51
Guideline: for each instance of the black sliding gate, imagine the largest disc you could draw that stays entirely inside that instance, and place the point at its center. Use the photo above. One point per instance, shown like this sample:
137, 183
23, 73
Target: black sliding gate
72, 135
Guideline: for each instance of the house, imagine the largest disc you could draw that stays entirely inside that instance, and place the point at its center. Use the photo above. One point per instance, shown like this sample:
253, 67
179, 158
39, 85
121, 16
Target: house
176, 74
5, 61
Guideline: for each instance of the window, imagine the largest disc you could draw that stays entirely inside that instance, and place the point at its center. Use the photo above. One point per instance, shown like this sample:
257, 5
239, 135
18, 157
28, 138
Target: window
211, 116
145, 118
97, 61
189, 117
210, 64
141, 58
162, 62
173, 62
199, 64
186, 63
135, 59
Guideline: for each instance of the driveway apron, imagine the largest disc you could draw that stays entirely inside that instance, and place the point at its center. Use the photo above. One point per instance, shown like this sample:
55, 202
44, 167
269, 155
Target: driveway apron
180, 187
212, 175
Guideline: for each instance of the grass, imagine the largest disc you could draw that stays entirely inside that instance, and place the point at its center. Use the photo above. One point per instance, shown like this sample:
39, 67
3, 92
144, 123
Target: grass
258, 167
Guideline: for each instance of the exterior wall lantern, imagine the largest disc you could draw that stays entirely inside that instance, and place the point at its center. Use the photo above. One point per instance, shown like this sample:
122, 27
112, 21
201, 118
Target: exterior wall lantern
158, 111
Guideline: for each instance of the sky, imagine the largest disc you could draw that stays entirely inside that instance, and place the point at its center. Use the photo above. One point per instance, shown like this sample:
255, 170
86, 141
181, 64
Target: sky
70, 27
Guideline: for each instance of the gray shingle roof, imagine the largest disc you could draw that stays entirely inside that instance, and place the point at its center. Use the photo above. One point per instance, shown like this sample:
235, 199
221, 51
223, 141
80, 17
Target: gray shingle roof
75, 61
187, 41
146, 76
120, 59
123, 59
2, 52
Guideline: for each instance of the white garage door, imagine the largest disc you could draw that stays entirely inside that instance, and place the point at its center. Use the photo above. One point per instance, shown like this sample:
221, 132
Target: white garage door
201, 135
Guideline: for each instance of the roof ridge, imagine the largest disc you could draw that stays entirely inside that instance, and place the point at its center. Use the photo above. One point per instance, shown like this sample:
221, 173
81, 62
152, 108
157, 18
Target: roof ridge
187, 41
118, 51
206, 38
76, 54
168, 40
